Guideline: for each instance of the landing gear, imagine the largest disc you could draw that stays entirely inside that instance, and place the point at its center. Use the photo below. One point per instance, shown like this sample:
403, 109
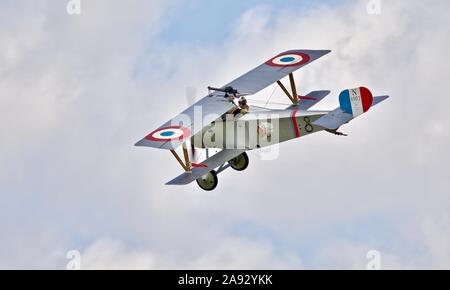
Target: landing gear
239, 163
208, 181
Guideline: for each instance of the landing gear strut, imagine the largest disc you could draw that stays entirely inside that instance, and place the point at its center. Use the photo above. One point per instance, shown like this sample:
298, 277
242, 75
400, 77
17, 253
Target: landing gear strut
209, 181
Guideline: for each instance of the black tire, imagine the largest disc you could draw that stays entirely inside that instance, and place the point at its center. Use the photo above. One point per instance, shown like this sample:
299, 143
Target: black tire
209, 181
239, 163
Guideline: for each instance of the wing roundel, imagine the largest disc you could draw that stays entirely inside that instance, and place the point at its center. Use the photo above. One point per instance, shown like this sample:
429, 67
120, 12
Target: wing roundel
275, 69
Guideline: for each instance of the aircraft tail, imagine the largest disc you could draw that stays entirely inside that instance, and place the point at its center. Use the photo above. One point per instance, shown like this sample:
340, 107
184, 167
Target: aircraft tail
352, 103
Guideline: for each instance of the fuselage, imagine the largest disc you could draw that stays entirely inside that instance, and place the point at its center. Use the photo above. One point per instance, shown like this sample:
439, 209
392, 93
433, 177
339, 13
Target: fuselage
258, 129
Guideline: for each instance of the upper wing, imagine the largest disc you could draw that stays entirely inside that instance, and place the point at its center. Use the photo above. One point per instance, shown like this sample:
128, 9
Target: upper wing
173, 133
275, 69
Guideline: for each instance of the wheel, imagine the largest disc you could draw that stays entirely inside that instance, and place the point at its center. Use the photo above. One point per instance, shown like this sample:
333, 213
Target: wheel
208, 181
240, 162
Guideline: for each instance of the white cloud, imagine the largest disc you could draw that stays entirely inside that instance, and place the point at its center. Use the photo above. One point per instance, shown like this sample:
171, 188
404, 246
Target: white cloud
230, 253
78, 92
110, 254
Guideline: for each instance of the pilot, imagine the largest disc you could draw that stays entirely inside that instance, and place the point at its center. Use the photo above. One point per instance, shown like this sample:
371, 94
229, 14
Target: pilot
242, 107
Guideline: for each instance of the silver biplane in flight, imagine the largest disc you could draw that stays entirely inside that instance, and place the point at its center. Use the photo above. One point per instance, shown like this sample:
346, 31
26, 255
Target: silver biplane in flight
224, 121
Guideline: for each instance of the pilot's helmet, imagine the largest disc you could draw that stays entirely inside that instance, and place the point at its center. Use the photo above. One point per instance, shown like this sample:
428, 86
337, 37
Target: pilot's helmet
243, 101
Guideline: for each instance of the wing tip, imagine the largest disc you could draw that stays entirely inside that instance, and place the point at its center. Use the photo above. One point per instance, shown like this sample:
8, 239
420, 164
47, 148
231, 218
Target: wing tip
167, 145
321, 51
140, 143
324, 52
379, 99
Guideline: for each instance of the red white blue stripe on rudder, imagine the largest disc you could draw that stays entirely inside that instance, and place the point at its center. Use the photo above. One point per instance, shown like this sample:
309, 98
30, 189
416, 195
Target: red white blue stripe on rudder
356, 101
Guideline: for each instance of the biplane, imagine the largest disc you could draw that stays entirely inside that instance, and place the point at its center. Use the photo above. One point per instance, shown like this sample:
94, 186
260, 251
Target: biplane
216, 123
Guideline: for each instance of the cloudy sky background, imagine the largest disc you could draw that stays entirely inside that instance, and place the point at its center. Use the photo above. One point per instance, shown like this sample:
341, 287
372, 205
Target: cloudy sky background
76, 92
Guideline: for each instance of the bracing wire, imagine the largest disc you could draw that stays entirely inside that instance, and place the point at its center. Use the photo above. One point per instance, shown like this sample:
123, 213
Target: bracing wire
271, 95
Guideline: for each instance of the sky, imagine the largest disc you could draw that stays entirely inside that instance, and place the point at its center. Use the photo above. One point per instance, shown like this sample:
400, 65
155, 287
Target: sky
77, 92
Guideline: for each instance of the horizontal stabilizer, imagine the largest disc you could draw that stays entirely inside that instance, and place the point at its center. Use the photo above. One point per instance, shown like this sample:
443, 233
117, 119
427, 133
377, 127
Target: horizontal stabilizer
306, 102
334, 119
206, 166
377, 100
338, 117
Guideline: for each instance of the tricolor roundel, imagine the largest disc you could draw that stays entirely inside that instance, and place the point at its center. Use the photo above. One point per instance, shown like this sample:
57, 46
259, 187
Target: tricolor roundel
356, 101
172, 133
289, 59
